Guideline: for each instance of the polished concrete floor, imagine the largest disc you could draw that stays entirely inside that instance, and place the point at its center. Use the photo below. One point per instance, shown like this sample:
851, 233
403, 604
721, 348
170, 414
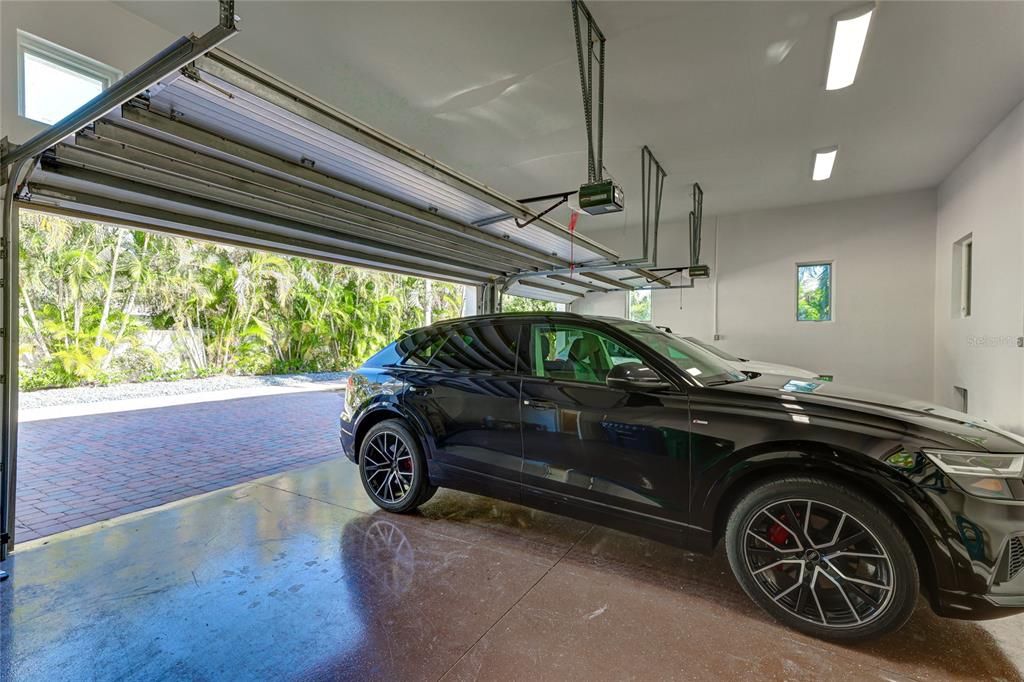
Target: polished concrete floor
297, 576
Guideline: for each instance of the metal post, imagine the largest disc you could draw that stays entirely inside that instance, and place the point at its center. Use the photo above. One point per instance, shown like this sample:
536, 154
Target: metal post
9, 370
489, 299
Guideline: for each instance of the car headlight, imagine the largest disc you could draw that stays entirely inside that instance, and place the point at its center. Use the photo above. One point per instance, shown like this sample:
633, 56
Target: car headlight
980, 473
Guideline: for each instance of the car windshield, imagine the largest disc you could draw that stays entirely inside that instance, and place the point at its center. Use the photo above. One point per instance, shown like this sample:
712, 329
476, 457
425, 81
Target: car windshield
713, 349
705, 368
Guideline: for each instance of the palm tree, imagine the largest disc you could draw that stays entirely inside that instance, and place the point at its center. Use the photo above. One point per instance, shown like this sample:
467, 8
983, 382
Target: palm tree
83, 287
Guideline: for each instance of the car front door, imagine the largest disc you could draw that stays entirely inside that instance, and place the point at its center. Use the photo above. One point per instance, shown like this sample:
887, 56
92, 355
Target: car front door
618, 457
461, 385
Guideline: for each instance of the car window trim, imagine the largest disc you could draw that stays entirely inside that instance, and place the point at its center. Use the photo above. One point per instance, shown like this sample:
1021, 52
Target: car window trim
627, 343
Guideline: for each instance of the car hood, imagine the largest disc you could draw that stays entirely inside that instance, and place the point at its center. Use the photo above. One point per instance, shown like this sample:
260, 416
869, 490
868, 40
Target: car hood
957, 429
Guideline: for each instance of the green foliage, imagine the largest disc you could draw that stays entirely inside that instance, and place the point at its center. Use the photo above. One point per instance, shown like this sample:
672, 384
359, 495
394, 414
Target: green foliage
640, 305
519, 304
90, 293
814, 293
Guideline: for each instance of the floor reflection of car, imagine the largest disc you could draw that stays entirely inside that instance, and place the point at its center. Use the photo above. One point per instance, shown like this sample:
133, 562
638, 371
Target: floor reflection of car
754, 366
836, 505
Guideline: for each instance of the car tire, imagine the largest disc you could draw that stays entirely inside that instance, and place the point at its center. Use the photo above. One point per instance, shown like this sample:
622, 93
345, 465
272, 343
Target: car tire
393, 469
843, 571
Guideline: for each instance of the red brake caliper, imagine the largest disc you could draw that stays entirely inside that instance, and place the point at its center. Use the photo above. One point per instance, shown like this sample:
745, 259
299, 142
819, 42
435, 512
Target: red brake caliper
777, 534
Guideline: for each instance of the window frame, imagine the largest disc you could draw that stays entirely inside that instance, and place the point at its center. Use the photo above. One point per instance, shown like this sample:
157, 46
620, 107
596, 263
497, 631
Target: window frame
831, 263
603, 335
629, 304
62, 58
963, 276
967, 281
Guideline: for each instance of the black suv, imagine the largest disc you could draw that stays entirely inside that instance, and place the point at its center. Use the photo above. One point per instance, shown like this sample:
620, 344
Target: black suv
836, 504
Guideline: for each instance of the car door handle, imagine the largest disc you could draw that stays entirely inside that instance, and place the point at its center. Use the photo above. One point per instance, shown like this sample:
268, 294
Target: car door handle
418, 390
540, 404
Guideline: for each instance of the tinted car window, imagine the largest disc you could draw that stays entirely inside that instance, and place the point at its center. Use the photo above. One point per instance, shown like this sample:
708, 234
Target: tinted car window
420, 346
707, 368
576, 353
390, 355
475, 347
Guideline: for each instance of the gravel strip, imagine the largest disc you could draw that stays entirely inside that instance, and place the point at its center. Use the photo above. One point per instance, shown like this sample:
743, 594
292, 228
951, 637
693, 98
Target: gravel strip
54, 397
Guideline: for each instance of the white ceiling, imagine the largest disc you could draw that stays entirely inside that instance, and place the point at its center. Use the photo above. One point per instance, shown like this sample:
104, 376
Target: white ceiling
729, 94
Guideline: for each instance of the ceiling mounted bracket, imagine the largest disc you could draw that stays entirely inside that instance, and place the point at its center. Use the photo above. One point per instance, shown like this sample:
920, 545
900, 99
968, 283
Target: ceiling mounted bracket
561, 196
652, 185
696, 218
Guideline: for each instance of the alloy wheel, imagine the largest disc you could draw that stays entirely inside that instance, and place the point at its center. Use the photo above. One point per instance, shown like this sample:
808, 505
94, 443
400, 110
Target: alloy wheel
389, 467
818, 562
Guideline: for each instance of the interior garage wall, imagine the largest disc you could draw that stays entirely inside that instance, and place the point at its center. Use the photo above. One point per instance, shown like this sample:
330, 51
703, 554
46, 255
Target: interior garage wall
99, 30
884, 260
984, 197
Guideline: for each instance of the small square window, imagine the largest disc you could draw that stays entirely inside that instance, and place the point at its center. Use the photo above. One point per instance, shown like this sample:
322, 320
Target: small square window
54, 81
814, 292
640, 305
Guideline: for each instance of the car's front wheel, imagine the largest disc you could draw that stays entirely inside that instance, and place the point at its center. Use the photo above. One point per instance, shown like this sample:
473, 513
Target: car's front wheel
393, 469
823, 559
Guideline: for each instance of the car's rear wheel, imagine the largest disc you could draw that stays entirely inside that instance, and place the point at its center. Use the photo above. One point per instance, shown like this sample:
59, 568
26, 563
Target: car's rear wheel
393, 469
822, 559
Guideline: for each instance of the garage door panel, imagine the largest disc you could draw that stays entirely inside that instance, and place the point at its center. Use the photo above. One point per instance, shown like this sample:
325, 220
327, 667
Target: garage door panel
80, 182
544, 294
113, 141
339, 157
393, 158
165, 130
67, 201
201, 183
227, 71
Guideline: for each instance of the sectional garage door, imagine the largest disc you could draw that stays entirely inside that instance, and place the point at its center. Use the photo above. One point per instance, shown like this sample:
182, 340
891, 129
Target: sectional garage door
225, 151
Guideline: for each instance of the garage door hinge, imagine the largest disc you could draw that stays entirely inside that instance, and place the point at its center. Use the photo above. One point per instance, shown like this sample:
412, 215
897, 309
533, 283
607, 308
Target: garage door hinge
193, 74
140, 101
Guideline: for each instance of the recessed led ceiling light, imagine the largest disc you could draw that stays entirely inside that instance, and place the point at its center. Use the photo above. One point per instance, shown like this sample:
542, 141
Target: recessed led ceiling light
849, 31
824, 159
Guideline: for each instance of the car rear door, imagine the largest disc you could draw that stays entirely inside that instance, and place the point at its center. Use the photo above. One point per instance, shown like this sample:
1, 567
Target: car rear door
463, 388
618, 457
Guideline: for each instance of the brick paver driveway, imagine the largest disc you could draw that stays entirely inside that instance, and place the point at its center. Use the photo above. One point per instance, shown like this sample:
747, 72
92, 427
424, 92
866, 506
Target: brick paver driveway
78, 470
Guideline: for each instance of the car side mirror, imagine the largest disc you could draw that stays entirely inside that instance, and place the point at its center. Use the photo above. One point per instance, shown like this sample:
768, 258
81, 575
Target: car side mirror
633, 376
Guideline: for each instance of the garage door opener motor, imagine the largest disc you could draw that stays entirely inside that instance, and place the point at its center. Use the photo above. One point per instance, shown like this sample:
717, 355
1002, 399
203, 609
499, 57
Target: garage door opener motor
599, 195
